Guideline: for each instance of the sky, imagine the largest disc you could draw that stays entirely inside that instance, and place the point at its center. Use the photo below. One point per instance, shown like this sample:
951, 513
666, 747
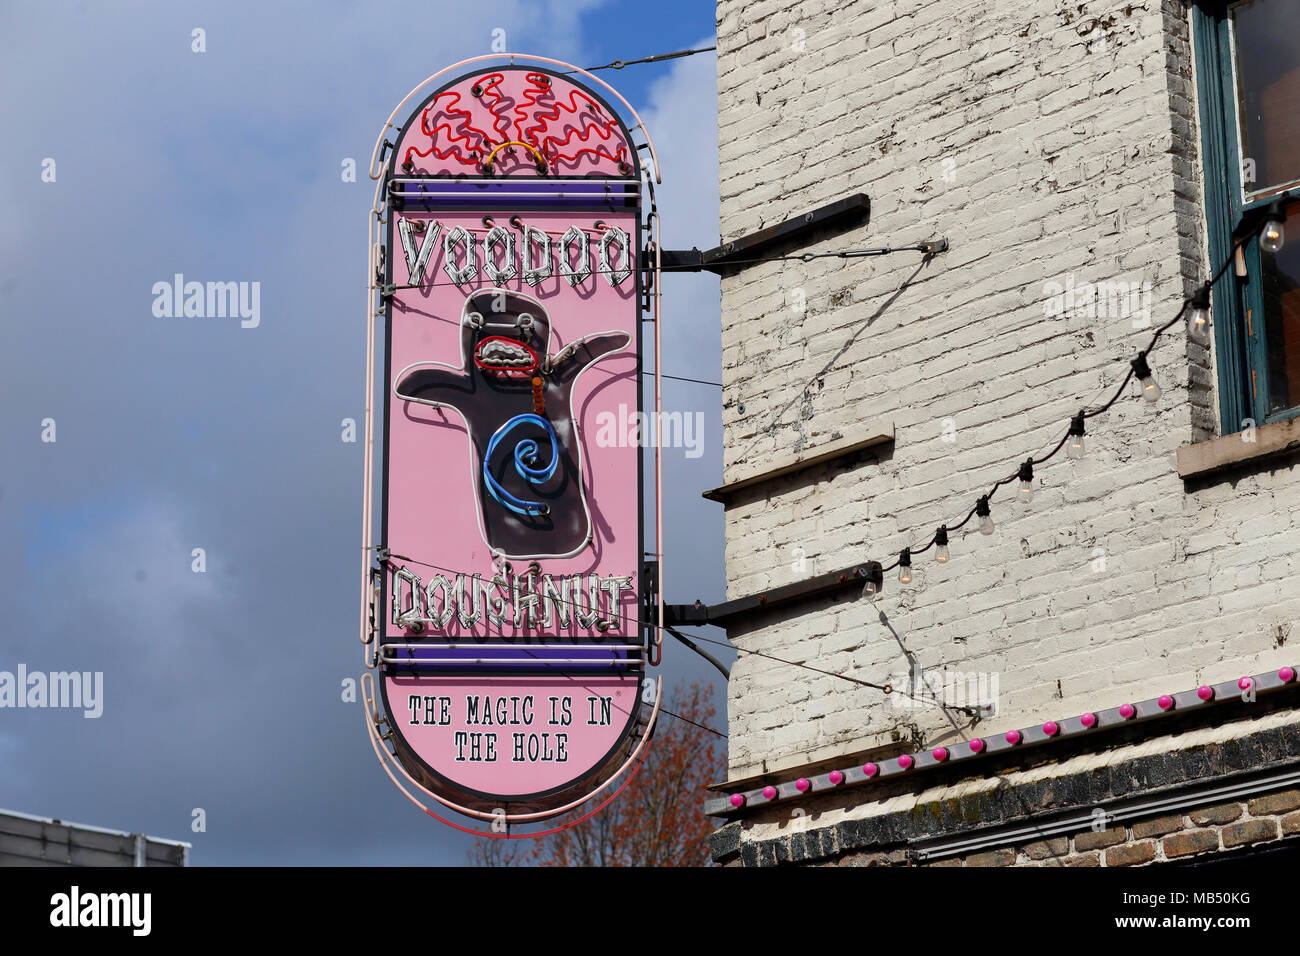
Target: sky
222, 689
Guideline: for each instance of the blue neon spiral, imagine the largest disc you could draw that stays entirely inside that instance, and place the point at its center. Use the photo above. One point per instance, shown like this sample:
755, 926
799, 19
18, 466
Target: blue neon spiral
525, 454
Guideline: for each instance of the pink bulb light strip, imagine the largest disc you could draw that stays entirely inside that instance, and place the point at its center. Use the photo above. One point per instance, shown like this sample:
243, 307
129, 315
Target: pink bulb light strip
1206, 695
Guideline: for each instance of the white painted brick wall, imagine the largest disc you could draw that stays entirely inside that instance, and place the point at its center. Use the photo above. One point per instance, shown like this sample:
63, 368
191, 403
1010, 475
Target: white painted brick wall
1072, 132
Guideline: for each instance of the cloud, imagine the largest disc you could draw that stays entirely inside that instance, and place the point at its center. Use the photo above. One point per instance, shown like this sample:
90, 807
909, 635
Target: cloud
222, 689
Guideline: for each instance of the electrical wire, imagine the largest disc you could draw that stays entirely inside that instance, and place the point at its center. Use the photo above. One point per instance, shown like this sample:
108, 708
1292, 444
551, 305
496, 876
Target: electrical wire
682, 378
810, 256
830, 363
887, 688
716, 733
657, 58
699, 650
805, 257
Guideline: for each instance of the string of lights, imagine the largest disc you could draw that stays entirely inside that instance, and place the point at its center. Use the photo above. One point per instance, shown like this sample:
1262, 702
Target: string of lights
1073, 441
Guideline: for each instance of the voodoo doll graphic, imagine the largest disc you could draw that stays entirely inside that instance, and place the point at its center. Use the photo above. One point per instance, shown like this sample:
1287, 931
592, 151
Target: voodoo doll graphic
516, 400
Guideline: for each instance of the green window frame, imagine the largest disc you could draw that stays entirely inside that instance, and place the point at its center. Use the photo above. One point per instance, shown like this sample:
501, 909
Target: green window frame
1240, 345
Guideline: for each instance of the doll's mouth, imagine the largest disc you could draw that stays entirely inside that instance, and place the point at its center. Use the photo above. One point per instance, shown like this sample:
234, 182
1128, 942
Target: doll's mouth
507, 356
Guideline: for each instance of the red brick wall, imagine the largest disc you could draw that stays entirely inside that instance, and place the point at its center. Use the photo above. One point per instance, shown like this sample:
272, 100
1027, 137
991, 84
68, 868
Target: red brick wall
1204, 830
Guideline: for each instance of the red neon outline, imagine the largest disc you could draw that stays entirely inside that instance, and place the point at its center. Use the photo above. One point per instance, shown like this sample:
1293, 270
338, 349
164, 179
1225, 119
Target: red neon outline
509, 369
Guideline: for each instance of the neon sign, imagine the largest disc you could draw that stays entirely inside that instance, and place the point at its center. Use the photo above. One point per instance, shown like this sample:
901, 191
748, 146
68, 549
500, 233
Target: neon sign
510, 621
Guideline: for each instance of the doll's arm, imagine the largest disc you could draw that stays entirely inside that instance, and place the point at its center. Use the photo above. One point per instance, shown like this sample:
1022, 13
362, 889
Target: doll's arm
432, 386
576, 356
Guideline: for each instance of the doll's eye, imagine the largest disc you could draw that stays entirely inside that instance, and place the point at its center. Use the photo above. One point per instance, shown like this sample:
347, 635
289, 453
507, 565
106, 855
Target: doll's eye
475, 320
525, 322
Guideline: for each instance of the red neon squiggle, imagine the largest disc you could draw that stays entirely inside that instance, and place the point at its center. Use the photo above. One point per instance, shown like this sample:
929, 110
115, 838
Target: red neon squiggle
453, 150
541, 84
451, 109
553, 150
496, 80
598, 151
552, 147
554, 112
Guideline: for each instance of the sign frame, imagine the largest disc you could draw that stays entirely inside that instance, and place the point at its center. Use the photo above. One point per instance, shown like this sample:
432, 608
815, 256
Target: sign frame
600, 775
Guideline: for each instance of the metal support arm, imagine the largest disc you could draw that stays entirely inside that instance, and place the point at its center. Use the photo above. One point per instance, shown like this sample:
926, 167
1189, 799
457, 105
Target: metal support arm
844, 213
727, 611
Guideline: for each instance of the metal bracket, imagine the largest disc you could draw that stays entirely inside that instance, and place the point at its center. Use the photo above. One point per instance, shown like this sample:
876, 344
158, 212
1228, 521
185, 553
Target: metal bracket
844, 213
721, 614
650, 595
648, 291
650, 581
675, 614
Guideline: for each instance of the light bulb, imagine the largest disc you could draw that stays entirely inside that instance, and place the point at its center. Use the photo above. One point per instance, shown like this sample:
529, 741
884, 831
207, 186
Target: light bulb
941, 554
1026, 483
941, 544
1198, 320
1198, 326
905, 566
1272, 236
904, 575
1150, 390
986, 519
986, 525
1074, 441
875, 580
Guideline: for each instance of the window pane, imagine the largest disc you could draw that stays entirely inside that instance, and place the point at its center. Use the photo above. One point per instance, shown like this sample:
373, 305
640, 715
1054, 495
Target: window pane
1266, 60
1282, 316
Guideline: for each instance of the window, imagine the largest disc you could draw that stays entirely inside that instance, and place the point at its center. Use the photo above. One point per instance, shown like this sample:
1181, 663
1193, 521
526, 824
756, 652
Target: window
1248, 71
